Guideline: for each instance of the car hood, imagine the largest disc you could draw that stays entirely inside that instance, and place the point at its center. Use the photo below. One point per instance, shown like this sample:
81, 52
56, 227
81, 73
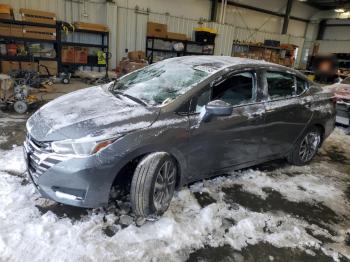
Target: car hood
88, 112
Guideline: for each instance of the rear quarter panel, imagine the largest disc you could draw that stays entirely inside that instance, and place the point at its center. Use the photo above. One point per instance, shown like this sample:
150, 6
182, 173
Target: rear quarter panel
323, 107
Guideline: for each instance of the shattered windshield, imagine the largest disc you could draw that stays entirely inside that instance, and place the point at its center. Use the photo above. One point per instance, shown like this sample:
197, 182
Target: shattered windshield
162, 82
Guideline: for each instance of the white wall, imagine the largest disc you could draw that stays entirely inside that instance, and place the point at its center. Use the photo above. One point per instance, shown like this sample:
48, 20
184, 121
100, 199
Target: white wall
247, 18
194, 9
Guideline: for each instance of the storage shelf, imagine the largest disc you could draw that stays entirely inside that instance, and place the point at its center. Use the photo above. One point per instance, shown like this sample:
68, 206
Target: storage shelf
164, 50
85, 30
79, 64
84, 44
25, 58
150, 47
24, 39
15, 22
57, 44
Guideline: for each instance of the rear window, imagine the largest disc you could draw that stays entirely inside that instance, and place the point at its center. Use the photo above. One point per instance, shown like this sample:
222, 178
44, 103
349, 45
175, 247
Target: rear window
280, 85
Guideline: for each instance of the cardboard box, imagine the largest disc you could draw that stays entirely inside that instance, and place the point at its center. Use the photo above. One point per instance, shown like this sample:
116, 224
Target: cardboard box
80, 55
157, 30
6, 12
91, 27
37, 16
32, 66
5, 29
38, 32
16, 30
7, 66
68, 54
6, 16
136, 55
51, 67
176, 36
126, 66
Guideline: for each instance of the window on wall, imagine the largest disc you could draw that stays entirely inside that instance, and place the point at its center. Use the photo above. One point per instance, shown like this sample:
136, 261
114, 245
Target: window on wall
280, 85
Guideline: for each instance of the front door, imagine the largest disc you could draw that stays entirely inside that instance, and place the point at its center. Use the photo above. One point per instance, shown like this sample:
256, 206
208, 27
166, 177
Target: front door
226, 141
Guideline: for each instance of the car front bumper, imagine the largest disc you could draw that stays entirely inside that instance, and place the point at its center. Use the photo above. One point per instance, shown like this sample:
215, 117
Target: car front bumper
77, 181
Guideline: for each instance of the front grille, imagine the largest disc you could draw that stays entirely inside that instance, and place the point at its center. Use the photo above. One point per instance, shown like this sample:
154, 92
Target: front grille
39, 157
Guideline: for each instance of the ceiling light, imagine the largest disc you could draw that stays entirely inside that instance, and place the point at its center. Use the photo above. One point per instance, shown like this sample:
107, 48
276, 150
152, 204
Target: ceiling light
339, 10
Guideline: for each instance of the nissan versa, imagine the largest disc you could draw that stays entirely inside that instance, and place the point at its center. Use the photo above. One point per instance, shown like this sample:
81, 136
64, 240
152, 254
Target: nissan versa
172, 123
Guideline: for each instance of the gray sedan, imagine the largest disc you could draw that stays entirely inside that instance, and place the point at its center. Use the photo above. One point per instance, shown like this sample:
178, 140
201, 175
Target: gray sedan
172, 123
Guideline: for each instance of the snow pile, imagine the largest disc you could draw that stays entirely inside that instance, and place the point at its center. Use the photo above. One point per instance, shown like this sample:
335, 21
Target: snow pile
186, 226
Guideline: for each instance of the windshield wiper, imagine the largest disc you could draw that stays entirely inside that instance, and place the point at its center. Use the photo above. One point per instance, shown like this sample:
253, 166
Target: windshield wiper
135, 99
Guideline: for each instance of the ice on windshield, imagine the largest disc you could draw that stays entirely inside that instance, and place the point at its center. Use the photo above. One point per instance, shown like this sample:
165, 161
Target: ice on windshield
162, 82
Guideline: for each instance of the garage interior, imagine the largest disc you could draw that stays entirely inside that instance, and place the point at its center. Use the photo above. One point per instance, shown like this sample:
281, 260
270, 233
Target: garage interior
270, 212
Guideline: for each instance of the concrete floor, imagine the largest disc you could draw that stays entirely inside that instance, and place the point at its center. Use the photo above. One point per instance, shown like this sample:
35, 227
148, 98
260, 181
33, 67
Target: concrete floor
322, 213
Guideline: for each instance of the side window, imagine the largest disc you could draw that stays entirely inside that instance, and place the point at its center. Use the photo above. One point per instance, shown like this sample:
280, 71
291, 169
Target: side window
280, 85
236, 90
202, 100
302, 85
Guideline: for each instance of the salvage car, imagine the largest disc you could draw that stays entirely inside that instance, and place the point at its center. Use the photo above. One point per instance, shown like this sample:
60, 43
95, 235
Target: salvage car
172, 123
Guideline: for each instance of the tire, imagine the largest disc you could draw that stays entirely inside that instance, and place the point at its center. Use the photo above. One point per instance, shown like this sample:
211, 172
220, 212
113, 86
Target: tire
149, 194
306, 147
20, 107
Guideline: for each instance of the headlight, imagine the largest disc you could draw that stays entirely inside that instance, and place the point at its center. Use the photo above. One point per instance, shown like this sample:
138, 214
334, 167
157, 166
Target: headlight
81, 148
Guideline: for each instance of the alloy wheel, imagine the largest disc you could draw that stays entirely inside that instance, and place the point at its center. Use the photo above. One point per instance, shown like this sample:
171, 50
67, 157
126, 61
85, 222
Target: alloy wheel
164, 186
309, 146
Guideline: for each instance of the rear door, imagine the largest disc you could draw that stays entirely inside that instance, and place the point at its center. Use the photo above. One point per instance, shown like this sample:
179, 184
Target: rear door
231, 140
287, 112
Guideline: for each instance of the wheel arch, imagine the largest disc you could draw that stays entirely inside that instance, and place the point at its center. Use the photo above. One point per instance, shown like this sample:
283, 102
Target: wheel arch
126, 171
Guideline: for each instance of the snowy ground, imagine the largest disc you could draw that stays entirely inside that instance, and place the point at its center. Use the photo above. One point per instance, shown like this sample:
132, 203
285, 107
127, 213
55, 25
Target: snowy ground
273, 212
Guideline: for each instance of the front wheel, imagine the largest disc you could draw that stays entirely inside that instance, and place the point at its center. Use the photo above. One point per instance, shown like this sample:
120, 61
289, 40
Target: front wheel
153, 184
306, 147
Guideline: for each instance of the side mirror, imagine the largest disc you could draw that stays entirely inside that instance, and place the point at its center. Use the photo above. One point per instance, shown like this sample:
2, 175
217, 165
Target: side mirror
217, 108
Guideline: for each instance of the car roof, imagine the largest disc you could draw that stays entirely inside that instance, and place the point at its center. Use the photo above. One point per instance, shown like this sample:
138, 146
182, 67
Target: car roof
217, 63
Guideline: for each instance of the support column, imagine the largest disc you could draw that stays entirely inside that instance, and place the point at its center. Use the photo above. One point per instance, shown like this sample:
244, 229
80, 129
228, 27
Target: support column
286, 17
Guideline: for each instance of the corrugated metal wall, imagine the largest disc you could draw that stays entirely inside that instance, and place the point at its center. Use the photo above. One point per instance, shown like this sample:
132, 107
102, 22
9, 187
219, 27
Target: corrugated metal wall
132, 30
331, 46
128, 26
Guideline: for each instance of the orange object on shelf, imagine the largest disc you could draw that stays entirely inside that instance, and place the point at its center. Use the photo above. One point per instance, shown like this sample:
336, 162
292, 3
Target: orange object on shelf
91, 27
80, 55
11, 49
6, 11
67, 54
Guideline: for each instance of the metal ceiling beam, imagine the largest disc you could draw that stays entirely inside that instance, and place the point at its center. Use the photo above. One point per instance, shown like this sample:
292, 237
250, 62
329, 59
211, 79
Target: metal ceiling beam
286, 17
265, 11
213, 10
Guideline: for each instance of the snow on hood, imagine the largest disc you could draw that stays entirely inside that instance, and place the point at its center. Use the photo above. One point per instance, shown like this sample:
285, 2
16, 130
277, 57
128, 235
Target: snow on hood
88, 112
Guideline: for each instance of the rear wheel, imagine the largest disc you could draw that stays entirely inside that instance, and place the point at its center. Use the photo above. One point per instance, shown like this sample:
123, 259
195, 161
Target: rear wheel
306, 147
153, 184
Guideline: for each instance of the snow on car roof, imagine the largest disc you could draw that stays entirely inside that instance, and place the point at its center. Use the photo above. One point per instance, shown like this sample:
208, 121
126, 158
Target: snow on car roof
215, 63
